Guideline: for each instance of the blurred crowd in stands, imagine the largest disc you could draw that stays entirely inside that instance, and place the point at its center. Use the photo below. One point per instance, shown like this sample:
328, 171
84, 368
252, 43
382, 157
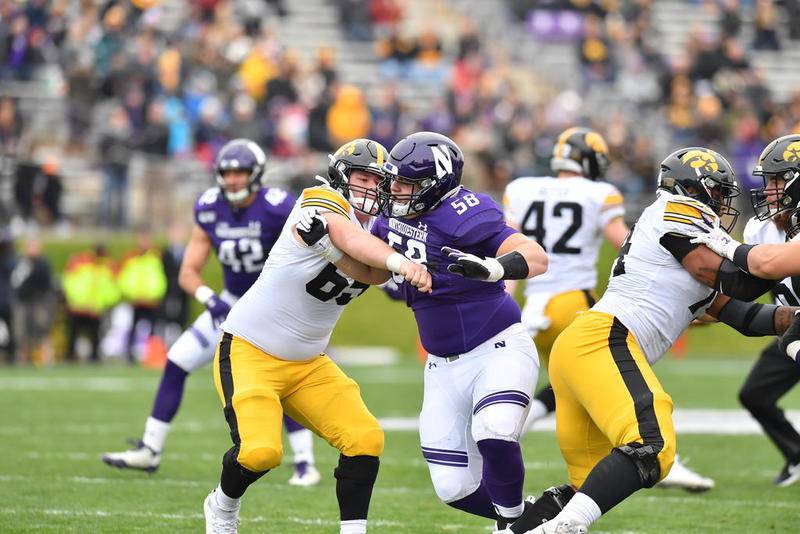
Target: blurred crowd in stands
171, 84
136, 80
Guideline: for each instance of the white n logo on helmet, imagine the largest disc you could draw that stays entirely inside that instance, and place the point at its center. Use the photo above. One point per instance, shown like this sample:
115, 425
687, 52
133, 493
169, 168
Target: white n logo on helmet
444, 164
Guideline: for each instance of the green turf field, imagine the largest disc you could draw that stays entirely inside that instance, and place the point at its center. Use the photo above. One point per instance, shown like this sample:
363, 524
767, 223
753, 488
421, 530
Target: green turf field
58, 422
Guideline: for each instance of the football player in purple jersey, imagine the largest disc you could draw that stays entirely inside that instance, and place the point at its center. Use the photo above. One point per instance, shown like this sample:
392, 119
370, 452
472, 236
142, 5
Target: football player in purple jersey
239, 220
482, 365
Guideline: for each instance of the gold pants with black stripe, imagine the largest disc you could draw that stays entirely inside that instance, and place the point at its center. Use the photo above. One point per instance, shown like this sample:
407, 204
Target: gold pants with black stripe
606, 395
256, 388
562, 310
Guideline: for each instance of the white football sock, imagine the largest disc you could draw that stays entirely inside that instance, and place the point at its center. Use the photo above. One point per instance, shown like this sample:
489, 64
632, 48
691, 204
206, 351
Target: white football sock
155, 434
582, 509
302, 443
353, 526
224, 502
509, 513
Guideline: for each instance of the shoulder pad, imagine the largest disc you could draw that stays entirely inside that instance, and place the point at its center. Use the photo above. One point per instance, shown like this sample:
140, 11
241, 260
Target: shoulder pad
274, 196
689, 212
327, 198
208, 198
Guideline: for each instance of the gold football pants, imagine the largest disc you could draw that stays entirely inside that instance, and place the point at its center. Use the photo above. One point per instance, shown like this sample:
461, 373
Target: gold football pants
256, 388
561, 310
606, 395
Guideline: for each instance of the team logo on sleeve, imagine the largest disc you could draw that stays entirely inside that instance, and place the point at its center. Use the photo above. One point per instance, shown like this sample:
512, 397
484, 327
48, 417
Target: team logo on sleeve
444, 165
700, 160
792, 151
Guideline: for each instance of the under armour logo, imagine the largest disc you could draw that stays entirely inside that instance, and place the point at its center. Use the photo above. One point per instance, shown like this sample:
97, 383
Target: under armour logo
431, 365
500, 344
422, 226
441, 156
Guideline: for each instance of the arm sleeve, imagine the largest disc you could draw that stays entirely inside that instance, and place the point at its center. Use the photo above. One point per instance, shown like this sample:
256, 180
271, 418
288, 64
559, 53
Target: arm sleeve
736, 283
677, 245
749, 318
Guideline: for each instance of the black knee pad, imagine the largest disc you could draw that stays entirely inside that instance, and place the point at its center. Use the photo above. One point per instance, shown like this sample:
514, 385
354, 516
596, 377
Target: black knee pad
360, 469
645, 458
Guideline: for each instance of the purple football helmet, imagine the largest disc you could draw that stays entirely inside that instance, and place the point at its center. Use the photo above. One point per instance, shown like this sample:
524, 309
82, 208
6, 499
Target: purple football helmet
240, 154
430, 161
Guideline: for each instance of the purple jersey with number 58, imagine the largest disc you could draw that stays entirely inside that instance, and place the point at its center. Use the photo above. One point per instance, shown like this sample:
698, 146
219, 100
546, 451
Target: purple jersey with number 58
242, 238
459, 314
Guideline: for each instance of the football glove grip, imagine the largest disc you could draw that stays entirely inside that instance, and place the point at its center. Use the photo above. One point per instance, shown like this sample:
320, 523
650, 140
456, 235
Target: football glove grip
313, 230
511, 266
718, 241
473, 267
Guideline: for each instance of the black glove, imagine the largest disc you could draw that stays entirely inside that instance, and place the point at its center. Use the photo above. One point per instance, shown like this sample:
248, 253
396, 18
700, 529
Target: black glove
312, 227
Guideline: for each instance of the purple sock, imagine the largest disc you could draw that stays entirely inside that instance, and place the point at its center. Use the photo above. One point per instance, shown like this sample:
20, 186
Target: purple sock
477, 503
291, 424
170, 393
300, 468
503, 471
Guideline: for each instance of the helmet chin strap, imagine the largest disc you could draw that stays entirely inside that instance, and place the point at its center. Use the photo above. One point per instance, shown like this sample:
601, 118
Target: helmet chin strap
361, 203
238, 196
401, 210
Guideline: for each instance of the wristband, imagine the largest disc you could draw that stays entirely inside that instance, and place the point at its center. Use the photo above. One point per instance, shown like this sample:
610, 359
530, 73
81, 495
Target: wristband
740, 257
332, 254
514, 265
394, 261
203, 293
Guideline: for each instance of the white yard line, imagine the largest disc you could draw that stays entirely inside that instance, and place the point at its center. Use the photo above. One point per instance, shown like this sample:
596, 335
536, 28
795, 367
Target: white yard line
687, 421
380, 371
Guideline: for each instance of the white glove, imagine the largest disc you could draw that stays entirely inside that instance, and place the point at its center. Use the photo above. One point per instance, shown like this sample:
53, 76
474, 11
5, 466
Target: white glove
718, 241
313, 230
471, 266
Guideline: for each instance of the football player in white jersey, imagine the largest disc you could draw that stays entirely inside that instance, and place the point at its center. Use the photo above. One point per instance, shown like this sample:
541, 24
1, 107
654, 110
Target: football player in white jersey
607, 396
773, 375
569, 215
271, 358
239, 220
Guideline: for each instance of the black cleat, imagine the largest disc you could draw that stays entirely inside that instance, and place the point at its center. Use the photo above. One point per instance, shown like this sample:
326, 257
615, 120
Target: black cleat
542, 509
